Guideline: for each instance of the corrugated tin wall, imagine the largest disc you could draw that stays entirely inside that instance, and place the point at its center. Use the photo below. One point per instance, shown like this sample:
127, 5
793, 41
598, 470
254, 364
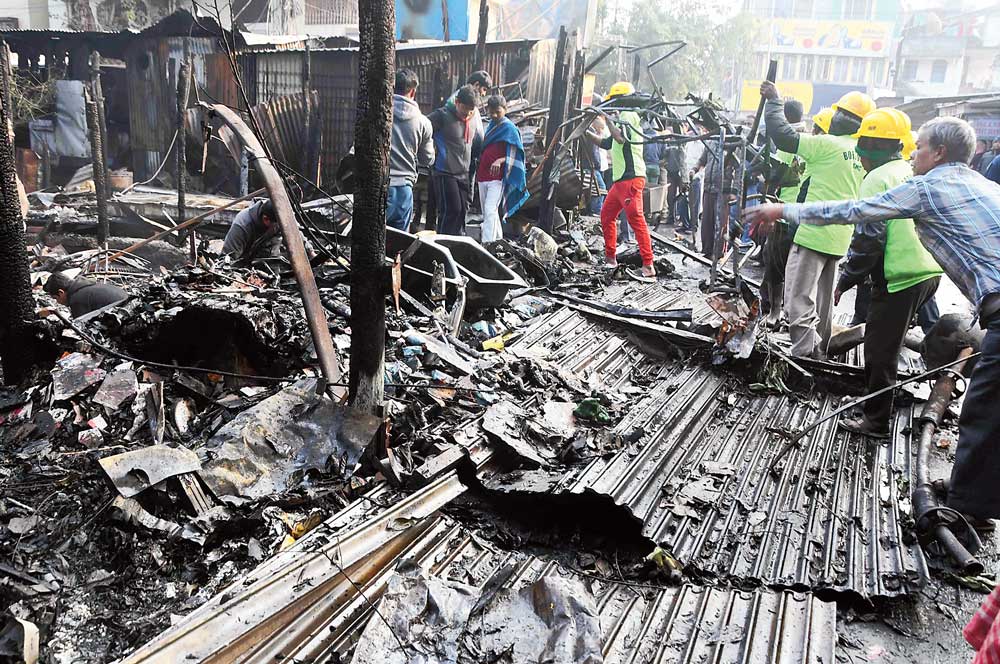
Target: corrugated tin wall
543, 58
279, 75
152, 68
335, 77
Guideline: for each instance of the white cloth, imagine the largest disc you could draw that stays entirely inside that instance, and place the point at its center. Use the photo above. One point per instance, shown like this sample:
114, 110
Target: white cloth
490, 194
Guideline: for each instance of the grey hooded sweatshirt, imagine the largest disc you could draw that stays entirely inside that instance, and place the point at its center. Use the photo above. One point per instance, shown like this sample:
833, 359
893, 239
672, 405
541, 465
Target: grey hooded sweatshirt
411, 144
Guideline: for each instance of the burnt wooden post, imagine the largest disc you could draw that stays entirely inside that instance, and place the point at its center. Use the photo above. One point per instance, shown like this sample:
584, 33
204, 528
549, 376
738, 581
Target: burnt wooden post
17, 308
98, 146
183, 88
557, 113
484, 22
369, 276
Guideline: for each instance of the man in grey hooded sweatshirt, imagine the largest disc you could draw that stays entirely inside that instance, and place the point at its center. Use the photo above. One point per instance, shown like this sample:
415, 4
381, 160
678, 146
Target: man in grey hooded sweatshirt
411, 145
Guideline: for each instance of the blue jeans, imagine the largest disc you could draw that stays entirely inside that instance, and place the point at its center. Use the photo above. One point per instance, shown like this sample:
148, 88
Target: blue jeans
597, 201
399, 207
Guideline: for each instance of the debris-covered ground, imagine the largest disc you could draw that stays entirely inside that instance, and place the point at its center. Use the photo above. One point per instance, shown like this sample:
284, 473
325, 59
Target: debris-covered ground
573, 466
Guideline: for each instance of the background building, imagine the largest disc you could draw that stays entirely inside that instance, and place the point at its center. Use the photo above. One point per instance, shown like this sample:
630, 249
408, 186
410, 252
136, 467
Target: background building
824, 49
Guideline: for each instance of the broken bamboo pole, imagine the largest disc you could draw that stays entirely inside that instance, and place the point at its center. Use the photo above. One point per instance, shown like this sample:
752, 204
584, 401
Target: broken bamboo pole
183, 88
275, 185
17, 308
185, 224
98, 147
369, 275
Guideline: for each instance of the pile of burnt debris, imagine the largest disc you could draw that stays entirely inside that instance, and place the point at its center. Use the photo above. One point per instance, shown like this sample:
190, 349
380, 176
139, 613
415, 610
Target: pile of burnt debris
553, 435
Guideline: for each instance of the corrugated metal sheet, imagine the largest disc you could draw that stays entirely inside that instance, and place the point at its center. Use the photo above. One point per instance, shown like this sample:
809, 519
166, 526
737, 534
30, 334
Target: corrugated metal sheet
830, 517
282, 121
639, 624
279, 74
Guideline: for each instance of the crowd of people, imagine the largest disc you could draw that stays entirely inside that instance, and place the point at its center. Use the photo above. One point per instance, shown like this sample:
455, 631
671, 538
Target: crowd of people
904, 211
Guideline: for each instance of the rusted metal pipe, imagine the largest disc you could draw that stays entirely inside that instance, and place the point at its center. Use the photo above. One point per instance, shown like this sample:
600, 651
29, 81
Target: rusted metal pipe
930, 518
275, 185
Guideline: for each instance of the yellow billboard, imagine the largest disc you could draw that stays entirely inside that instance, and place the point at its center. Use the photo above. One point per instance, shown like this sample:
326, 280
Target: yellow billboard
792, 35
801, 90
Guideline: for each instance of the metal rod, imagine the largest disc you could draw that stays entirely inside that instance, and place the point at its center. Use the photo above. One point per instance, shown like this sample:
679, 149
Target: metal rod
190, 222
315, 314
794, 441
720, 200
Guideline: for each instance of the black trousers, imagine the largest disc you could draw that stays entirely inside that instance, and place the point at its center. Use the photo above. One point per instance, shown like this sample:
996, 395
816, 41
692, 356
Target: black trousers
975, 477
708, 228
889, 317
453, 203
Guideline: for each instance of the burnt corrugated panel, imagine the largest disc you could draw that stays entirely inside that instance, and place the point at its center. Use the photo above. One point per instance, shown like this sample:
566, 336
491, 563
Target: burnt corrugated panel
830, 517
586, 347
279, 74
640, 624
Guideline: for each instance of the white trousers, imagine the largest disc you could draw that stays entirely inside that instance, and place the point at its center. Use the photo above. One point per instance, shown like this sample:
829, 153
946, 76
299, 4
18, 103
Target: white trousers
490, 194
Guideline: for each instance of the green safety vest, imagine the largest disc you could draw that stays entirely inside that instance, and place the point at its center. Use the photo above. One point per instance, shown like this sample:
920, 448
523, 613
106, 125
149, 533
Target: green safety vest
790, 194
626, 159
835, 174
906, 262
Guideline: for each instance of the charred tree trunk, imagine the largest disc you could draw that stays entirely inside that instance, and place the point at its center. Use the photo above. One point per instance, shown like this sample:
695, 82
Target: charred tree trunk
369, 276
484, 22
557, 113
98, 147
17, 309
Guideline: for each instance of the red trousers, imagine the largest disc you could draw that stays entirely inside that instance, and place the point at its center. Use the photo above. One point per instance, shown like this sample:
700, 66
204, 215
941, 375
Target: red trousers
627, 195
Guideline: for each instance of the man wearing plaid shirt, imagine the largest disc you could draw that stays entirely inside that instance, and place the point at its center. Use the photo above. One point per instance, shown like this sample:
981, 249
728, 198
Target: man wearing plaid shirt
957, 215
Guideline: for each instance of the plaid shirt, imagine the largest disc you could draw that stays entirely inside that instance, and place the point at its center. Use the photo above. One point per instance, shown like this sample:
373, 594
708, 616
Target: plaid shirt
983, 630
957, 215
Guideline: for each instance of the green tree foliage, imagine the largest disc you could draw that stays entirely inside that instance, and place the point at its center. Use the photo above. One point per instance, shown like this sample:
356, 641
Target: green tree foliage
715, 60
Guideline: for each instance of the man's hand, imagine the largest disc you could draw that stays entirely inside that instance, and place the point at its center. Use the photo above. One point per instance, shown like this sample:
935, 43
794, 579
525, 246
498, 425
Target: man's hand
768, 90
763, 217
837, 293
496, 166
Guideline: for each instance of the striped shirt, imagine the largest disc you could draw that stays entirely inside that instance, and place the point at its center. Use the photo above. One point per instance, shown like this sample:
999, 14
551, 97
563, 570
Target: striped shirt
957, 215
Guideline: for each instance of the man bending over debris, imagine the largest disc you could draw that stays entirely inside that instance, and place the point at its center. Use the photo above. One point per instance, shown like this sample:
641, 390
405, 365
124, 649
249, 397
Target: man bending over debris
457, 140
628, 173
835, 175
251, 231
903, 274
411, 145
957, 215
82, 295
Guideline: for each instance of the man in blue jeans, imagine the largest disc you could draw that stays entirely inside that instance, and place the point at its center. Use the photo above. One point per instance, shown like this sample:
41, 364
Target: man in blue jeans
956, 212
411, 145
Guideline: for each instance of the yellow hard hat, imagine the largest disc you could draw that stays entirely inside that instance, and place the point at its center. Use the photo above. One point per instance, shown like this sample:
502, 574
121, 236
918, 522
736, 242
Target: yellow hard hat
856, 103
909, 145
885, 123
621, 88
822, 119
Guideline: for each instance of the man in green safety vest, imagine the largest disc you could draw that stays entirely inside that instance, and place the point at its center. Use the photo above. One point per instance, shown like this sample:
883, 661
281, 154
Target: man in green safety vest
835, 174
904, 275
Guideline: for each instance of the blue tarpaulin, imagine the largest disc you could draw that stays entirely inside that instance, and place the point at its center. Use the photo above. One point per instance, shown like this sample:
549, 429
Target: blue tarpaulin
432, 19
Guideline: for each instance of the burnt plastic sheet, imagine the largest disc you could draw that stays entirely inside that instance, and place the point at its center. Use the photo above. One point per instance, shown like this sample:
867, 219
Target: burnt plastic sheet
262, 451
551, 619
73, 374
425, 614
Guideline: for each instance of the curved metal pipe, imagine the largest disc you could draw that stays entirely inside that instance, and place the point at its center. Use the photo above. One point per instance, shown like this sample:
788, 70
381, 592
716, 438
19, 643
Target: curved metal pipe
928, 515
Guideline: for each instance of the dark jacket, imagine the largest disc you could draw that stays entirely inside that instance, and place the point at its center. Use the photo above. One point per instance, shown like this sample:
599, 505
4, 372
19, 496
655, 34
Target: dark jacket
86, 295
456, 142
246, 232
